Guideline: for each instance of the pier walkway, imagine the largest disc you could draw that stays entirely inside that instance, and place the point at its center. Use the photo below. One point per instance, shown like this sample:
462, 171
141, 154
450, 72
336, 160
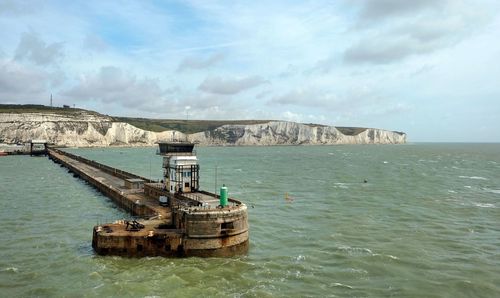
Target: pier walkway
113, 183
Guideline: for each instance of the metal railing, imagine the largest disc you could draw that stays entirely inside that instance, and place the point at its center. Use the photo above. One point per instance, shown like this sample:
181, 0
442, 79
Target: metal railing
110, 170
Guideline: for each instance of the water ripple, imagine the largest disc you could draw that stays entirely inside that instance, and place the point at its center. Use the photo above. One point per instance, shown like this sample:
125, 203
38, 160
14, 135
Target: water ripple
425, 223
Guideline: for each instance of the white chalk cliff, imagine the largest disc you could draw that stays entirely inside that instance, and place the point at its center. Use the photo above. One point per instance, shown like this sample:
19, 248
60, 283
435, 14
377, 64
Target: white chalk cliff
292, 133
88, 130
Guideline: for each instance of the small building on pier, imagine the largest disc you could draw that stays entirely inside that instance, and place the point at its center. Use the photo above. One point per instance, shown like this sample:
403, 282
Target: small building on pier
134, 183
38, 147
180, 167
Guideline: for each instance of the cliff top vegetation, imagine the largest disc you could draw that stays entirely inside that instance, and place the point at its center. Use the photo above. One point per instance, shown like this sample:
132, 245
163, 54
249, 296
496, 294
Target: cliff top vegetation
31, 108
156, 125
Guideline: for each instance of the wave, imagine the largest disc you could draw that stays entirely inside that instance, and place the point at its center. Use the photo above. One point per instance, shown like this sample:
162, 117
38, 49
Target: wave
473, 177
341, 185
299, 258
387, 256
497, 191
337, 284
485, 205
9, 269
355, 250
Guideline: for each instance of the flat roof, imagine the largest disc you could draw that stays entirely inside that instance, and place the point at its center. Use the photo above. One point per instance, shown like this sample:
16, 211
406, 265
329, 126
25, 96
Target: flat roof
184, 157
172, 148
175, 143
134, 180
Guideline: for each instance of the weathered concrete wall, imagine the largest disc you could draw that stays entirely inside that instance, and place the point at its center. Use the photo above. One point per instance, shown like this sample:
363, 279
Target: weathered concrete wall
119, 198
218, 223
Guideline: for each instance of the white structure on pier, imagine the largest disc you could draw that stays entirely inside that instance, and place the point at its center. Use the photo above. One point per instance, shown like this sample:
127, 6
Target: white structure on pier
180, 167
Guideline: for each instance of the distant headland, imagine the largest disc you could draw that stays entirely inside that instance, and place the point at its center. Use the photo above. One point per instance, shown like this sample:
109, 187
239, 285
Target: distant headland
75, 127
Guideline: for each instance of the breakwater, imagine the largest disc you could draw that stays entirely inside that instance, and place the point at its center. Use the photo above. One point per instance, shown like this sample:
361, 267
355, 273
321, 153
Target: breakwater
190, 224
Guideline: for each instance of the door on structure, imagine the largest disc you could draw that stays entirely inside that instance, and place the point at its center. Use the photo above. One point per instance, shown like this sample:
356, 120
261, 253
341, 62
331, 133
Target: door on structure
186, 179
187, 187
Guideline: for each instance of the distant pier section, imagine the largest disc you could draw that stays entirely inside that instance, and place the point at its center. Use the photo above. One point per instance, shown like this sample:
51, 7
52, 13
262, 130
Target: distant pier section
32, 148
179, 220
38, 147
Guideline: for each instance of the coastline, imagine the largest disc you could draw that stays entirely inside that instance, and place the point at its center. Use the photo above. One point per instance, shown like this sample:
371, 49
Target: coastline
92, 131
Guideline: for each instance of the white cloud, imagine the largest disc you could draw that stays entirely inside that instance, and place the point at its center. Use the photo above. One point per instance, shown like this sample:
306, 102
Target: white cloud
421, 28
15, 8
310, 97
19, 83
95, 43
291, 116
218, 85
113, 85
364, 62
197, 62
380, 9
33, 48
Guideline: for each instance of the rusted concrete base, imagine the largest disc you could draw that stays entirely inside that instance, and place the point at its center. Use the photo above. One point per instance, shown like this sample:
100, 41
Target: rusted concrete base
114, 239
225, 251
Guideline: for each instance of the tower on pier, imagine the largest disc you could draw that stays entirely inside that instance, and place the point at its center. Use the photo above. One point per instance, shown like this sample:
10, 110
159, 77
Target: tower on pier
180, 166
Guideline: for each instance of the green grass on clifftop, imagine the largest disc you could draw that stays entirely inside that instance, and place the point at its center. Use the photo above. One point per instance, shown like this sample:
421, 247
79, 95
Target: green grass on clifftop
157, 125
11, 108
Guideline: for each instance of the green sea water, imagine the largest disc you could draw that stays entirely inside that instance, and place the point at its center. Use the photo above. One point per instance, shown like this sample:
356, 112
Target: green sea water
425, 224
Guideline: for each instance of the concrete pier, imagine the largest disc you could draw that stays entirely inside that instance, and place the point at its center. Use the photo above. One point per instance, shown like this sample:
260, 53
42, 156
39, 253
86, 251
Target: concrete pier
190, 224
111, 182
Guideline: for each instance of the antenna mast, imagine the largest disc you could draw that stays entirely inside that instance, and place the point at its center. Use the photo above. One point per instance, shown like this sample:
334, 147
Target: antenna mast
187, 108
215, 180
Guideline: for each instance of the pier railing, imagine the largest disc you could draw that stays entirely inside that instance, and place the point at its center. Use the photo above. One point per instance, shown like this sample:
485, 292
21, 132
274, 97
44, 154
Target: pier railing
117, 194
186, 200
110, 170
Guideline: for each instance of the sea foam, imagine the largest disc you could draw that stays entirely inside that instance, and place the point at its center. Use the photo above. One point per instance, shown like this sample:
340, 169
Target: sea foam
473, 177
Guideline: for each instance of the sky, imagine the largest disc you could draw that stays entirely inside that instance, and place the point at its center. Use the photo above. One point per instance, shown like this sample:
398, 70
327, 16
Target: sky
430, 68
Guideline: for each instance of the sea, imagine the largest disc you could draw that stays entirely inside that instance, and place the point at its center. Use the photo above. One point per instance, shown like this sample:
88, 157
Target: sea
413, 220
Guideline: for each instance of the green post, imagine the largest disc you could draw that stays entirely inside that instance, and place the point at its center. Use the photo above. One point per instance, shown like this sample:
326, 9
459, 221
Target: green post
223, 196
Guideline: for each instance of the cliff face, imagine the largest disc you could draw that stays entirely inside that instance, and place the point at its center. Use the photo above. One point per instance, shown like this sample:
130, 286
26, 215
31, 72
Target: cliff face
291, 133
90, 130
77, 131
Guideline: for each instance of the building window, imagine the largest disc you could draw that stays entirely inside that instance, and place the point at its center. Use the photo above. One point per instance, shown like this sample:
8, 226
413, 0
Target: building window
186, 184
227, 226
